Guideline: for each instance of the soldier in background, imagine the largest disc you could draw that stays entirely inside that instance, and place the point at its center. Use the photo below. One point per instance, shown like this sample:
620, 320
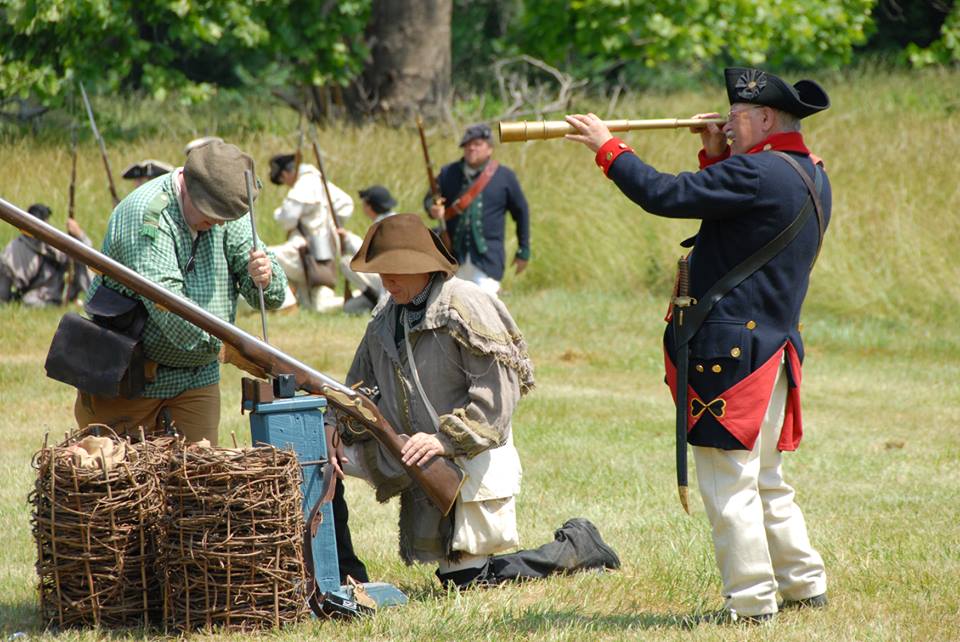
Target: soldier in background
305, 218
481, 192
378, 204
36, 274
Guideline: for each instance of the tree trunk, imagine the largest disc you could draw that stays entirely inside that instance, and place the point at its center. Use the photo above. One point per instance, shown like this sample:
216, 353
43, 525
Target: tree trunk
409, 68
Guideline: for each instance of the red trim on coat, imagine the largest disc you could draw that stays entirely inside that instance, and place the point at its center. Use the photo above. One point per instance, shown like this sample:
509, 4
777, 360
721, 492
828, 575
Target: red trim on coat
782, 142
609, 152
707, 161
792, 430
745, 403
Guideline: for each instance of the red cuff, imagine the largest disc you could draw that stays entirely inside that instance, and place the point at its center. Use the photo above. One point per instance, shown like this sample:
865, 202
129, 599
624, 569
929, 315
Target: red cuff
707, 161
609, 152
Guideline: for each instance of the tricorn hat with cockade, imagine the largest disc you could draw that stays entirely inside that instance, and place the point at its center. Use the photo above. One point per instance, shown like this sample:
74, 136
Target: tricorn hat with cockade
757, 87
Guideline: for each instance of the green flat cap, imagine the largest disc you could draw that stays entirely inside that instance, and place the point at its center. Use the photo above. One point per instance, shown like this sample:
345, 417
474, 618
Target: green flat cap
215, 181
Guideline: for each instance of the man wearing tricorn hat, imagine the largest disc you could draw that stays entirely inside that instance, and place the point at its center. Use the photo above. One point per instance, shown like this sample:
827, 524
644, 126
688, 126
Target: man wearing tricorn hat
189, 232
446, 364
146, 170
304, 216
378, 204
477, 194
764, 202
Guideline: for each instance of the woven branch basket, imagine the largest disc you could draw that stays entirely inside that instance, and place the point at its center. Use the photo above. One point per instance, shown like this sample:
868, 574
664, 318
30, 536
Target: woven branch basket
232, 553
96, 531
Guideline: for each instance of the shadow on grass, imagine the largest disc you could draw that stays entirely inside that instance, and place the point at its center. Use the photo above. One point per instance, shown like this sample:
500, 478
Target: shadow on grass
19, 616
537, 621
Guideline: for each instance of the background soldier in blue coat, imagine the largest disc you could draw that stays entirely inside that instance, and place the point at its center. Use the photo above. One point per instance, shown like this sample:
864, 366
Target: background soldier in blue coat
743, 390
477, 194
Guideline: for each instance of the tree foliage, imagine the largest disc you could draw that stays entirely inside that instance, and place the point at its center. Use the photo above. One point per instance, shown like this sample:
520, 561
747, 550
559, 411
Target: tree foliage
946, 50
195, 46
189, 45
593, 37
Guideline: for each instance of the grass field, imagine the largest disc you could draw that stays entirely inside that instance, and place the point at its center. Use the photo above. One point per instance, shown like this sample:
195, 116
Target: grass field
877, 475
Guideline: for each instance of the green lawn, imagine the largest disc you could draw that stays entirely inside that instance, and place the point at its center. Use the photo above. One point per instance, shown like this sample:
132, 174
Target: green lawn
876, 476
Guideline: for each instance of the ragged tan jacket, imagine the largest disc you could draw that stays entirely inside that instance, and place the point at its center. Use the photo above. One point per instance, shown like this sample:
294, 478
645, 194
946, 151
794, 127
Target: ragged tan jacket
473, 364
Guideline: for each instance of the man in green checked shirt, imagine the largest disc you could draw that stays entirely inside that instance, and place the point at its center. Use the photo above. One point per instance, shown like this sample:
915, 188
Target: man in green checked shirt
188, 232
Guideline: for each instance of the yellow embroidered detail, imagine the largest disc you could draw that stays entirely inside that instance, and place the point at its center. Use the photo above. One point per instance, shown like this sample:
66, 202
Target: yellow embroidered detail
717, 407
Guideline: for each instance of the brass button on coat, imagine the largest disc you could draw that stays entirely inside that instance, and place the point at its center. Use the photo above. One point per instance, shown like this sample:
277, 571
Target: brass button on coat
734, 352
716, 368
751, 324
699, 367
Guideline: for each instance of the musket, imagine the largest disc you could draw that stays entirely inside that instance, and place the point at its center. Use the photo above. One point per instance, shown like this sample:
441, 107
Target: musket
103, 148
438, 199
71, 204
336, 242
298, 156
71, 201
681, 302
440, 478
515, 131
431, 179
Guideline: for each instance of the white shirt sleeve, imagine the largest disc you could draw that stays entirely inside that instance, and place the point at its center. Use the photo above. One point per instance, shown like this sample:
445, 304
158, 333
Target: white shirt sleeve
288, 214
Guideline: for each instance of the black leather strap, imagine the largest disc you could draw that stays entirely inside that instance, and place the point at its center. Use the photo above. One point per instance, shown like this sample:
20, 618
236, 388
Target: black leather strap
695, 315
814, 191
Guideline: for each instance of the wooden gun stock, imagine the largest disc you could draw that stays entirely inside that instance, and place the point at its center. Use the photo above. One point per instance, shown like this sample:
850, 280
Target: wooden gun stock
440, 478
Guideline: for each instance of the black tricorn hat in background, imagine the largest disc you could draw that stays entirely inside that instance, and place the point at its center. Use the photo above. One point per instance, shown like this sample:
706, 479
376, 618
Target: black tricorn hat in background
279, 163
148, 168
803, 98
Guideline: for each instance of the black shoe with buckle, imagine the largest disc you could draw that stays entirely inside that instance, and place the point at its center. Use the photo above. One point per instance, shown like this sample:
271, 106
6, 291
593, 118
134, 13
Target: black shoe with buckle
815, 602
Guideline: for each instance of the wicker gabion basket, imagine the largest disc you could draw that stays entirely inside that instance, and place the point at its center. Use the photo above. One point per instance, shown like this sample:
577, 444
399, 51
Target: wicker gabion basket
232, 553
97, 510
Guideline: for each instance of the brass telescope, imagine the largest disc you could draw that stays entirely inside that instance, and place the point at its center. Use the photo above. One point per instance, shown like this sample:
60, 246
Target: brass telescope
521, 130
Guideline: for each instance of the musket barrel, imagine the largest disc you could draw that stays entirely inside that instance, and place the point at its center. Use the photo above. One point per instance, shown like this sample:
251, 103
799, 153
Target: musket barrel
523, 130
439, 477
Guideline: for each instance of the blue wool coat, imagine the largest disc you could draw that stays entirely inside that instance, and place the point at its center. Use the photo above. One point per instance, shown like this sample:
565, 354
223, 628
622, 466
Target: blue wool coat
743, 202
501, 195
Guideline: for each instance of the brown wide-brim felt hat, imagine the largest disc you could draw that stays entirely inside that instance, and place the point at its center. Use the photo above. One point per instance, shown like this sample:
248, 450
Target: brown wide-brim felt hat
402, 244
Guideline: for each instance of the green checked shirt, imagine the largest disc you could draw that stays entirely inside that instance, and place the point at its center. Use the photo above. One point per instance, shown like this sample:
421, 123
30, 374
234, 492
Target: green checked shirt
147, 233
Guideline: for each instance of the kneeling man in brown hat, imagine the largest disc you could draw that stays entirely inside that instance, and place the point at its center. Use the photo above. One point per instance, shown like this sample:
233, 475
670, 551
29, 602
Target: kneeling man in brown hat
446, 363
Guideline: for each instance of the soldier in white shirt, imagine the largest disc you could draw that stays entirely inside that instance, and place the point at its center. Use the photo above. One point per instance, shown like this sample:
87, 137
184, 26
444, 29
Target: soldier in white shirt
304, 216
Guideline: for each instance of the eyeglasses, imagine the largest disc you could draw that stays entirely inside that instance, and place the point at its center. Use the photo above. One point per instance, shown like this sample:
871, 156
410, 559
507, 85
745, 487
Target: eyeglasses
733, 114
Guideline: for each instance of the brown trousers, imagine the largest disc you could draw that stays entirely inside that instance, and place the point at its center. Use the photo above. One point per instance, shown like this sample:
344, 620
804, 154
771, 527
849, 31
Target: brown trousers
194, 413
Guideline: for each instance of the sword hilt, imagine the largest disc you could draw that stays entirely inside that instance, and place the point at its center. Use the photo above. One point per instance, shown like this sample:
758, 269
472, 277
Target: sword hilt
683, 277
683, 298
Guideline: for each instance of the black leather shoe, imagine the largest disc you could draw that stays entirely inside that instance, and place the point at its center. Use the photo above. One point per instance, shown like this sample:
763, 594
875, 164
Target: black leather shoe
815, 602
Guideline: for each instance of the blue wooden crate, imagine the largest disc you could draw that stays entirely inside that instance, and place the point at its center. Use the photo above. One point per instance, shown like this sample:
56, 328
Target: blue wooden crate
297, 424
